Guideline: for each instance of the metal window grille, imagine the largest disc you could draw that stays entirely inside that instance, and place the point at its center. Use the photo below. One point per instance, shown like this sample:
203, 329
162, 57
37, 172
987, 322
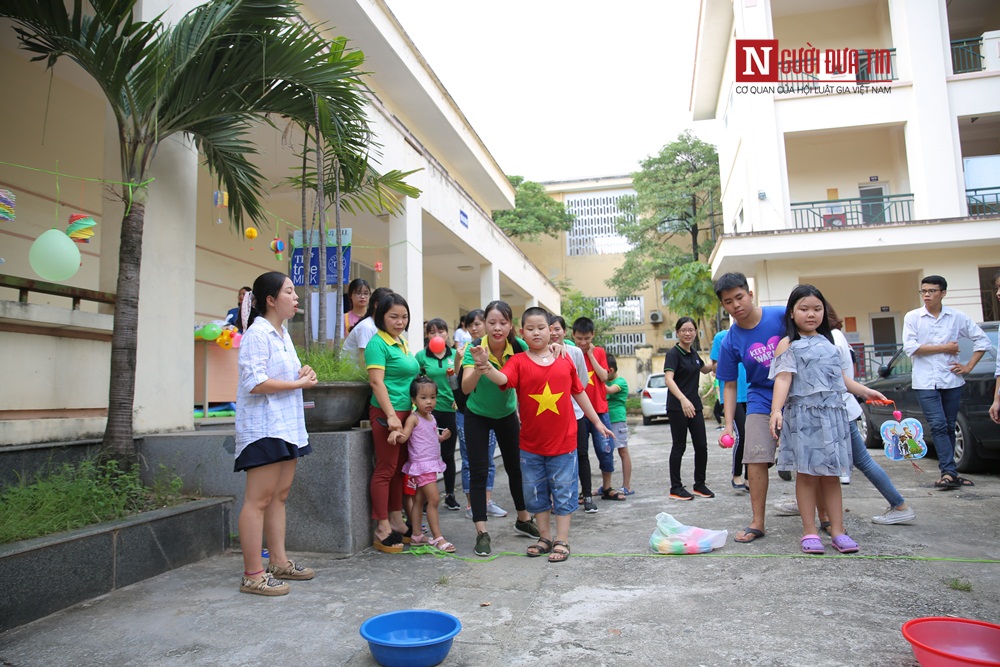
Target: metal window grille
624, 344
594, 231
629, 313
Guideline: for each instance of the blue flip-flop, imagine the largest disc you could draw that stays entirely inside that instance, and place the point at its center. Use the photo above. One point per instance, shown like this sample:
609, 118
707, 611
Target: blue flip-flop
627, 491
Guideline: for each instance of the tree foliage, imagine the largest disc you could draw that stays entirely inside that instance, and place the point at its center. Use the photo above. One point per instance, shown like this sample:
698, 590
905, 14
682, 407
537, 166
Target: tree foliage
535, 213
670, 223
575, 304
689, 290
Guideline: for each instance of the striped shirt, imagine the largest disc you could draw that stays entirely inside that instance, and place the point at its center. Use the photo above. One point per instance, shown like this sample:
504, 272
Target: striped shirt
268, 354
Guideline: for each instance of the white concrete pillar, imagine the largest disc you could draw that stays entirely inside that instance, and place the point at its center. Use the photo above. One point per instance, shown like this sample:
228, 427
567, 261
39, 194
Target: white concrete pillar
991, 50
406, 263
933, 153
164, 388
489, 284
766, 185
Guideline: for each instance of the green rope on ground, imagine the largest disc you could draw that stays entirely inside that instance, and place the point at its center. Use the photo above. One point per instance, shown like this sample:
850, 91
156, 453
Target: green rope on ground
425, 550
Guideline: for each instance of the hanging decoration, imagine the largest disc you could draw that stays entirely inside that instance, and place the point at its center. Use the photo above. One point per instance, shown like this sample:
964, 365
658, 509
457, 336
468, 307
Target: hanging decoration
54, 256
250, 233
81, 227
7, 206
378, 267
220, 199
277, 247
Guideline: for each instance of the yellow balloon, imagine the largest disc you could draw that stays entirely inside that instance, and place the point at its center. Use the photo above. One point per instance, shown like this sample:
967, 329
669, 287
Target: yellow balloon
250, 233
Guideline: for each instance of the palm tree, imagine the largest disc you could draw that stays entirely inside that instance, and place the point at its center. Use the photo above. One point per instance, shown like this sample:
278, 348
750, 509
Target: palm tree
225, 66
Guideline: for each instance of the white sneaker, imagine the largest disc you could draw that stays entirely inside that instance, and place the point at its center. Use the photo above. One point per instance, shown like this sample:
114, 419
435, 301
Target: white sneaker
786, 508
893, 515
495, 510
845, 479
468, 512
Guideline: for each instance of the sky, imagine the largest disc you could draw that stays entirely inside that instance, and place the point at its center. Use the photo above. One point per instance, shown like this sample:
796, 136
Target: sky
563, 89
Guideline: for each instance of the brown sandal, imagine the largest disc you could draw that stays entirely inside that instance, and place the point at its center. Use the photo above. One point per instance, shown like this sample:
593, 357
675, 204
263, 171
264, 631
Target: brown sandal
543, 547
559, 555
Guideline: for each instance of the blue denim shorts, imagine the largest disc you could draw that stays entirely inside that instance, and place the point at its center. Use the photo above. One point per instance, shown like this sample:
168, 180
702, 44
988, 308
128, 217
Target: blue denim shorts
550, 482
603, 448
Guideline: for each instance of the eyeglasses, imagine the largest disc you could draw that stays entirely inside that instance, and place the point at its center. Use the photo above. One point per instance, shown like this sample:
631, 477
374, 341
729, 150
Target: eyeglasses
925, 292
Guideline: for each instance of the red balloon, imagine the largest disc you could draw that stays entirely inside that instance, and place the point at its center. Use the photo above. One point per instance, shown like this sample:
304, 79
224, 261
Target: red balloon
436, 344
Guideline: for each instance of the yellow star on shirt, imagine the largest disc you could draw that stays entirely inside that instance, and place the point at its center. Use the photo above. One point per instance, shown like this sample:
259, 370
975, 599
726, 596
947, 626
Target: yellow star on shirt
590, 377
546, 400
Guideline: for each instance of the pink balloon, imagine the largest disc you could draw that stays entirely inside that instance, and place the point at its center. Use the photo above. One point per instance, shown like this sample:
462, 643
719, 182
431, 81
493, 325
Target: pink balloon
897, 415
237, 337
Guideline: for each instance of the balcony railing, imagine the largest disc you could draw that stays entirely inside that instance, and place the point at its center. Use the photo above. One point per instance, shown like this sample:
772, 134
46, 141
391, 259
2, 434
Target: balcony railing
881, 66
983, 201
967, 55
835, 213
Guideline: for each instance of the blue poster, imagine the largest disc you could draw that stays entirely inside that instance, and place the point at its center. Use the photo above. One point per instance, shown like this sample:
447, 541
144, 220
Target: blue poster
298, 258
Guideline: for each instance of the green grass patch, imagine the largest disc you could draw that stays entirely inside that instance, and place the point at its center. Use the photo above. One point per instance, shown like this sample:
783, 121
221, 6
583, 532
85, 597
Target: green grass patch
633, 405
332, 367
957, 584
75, 495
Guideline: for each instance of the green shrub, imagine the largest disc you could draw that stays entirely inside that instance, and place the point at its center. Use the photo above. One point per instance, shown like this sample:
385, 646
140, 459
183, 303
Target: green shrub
75, 495
333, 367
633, 405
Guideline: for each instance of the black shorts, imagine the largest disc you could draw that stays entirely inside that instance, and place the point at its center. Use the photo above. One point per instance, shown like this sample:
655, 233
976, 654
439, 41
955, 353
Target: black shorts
267, 451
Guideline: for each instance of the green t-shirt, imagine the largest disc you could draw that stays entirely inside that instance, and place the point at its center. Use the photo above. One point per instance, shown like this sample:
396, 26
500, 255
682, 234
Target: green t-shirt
616, 402
486, 400
437, 370
400, 368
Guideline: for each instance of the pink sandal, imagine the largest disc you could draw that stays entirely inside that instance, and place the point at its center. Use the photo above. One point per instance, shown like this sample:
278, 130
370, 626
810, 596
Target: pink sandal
442, 544
418, 539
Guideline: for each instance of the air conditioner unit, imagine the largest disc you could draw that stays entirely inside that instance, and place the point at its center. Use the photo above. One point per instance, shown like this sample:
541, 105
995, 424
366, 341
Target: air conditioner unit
656, 317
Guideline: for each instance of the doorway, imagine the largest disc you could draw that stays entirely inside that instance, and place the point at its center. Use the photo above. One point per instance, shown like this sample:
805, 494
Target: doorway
885, 340
873, 205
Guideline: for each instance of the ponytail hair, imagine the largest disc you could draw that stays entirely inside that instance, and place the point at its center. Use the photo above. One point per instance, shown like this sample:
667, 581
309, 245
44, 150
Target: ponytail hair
255, 302
419, 380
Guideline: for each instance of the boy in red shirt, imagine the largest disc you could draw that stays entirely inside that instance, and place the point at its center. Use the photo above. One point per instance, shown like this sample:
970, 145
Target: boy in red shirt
597, 372
543, 384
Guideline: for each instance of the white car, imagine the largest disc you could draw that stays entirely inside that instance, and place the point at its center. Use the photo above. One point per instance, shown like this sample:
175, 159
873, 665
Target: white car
654, 399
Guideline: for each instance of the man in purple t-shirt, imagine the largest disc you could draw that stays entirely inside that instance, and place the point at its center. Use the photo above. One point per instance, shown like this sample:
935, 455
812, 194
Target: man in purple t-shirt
754, 334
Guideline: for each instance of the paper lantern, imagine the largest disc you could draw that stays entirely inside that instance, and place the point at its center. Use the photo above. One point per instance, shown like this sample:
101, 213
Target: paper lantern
81, 228
250, 233
54, 256
378, 267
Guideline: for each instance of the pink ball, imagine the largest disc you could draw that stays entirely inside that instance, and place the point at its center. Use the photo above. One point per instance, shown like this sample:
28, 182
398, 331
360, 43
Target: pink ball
436, 344
727, 441
897, 415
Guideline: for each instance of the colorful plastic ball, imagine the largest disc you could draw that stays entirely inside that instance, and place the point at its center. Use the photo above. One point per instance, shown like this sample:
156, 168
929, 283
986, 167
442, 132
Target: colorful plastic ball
54, 256
277, 245
727, 441
436, 344
211, 331
250, 233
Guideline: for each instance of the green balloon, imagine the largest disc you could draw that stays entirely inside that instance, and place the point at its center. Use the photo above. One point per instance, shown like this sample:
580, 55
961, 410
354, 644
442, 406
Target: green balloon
54, 256
211, 331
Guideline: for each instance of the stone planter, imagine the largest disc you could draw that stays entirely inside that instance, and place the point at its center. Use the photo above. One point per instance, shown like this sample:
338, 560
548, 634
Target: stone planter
336, 406
45, 574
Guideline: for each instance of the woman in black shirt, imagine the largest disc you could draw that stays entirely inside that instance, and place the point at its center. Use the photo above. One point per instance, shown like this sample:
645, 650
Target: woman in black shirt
681, 369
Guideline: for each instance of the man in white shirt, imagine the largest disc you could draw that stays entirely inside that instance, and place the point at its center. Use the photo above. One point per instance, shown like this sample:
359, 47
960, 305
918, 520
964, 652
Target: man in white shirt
930, 338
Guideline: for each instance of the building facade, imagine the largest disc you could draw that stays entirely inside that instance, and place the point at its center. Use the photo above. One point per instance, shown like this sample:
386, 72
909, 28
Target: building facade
442, 252
866, 155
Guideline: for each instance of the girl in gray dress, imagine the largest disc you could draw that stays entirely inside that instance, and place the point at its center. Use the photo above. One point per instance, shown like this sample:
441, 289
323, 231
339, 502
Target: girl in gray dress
808, 414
